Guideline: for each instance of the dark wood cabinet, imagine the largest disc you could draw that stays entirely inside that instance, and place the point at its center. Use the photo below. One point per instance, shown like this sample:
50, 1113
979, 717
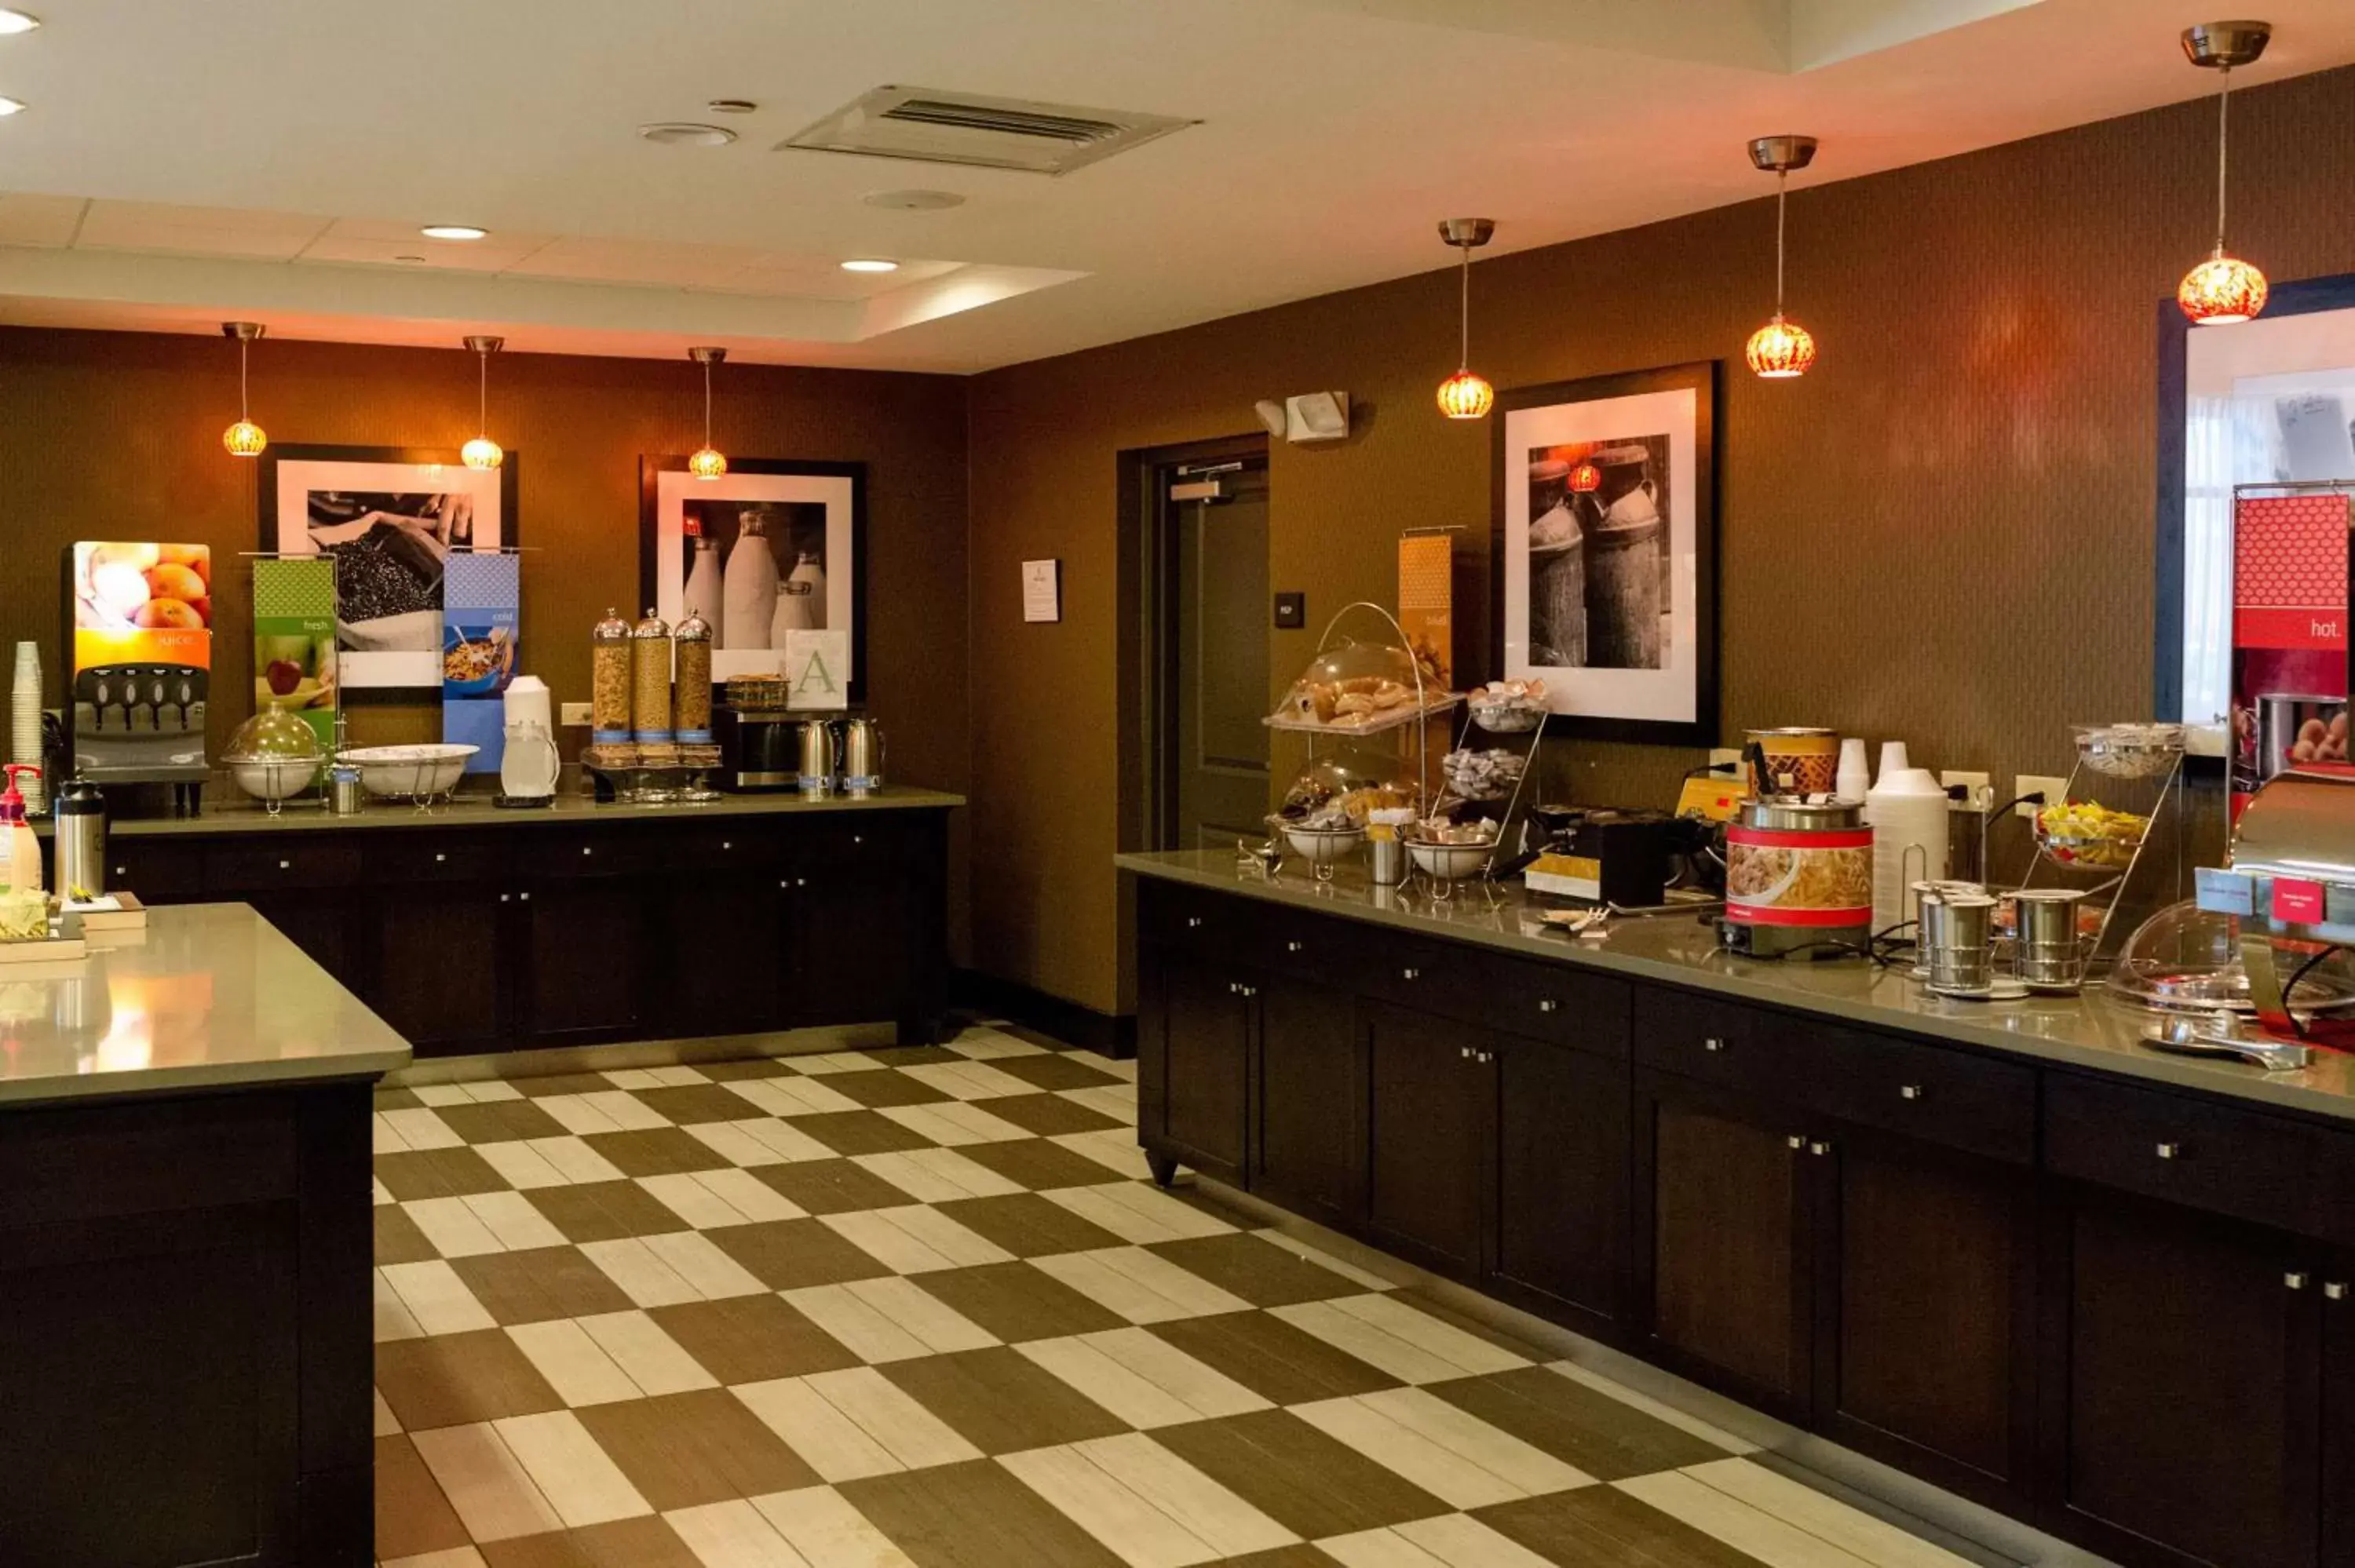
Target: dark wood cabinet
440, 954
1308, 1096
1427, 1127
722, 946
1557, 1206
584, 960
1198, 1035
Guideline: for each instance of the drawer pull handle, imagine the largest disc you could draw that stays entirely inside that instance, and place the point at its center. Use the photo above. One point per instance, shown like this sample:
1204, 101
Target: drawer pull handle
858, 837
2294, 1280
1251, 990
727, 844
586, 850
1484, 1056
285, 865
523, 897
1292, 947
1712, 1044
503, 897
1796, 1140
1910, 1092
1409, 974
1819, 1150
121, 871
801, 881
1193, 922
1234, 988
2169, 1150
1548, 1004
2334, 1290
439, 857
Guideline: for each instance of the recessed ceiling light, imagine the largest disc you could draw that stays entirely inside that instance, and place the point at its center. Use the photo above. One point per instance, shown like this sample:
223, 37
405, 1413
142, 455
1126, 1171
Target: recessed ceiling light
869, 264
12, 106
453, 231
913, 201
686, 133
731, 106
12, 22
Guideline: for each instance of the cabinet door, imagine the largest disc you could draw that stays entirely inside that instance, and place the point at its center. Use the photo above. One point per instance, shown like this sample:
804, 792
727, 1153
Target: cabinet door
318, 920
1557, 1216
583, 974
1427, 1126
2337, 1477
1722, 1241
851, 937
1308, 1101
2186, 1387
439, 951
1193, 1063
723, 955
1925, 1319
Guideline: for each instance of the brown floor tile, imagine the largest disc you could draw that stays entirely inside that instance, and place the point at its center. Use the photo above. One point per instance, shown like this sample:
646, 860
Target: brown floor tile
549, 1083
625, 1544
1056, 1071
1256, 1269
875, 1089
1001, 1401
499, 1121
604, 1210
451, 1379
1028, 1226
681, 1450
750, 1068
831, 1186
1471, 1325
751, 1339
398, 1239
411, 1174
1044, 1114
1602, 1527
1035, 1162
858, 1131
659, 1150
538, 1285
1302, 1556
1030, 1036
1017, 1302
974, 1515
395, 1099
412, 1517
786, 1254
1607, 1439
1272, 1358
694, 1103
913, 1055
1311, 1484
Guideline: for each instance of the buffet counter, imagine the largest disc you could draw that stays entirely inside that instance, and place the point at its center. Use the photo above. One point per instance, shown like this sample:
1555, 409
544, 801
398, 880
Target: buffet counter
2003, 1247
185, 1246
231, 815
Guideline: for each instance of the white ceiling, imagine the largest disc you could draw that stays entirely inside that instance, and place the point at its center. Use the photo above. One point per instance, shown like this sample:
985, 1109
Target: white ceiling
182, 163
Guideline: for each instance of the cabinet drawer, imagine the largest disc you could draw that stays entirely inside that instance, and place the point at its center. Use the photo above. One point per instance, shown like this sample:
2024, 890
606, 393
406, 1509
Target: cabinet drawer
1193, 920
565, 854
1311, 947
722, 847
158, 870
2274, 1171
309, 860
434, 857
1716, 1042
70, 1164
1942, 1096
1555, 1002
1440, 978
856, 838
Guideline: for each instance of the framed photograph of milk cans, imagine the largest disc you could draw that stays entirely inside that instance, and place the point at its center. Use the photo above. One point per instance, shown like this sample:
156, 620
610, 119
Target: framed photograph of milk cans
768, 550
1604, 559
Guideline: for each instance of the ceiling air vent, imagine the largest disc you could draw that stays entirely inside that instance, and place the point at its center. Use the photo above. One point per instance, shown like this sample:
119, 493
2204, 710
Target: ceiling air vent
936, 127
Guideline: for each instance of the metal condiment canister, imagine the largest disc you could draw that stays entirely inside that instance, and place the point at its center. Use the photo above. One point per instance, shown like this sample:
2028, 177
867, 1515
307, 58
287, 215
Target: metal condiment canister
609, 690
692, 701
344, 795
650, 723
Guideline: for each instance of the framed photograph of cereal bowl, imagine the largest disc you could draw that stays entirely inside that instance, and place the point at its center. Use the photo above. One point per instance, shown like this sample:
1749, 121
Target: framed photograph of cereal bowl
390, 517
1603, 553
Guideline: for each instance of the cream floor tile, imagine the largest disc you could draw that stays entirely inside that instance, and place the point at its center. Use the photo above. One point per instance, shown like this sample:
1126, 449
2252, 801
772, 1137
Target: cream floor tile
454, 1228
1154, 1210
643, 1276
1377, 1347
394, 1320
419, 1128
580, 1483
1114, 1149
733, 1142
792, 1096
1127, 1393
960, 1244
1772, 1540
436, 1298
967, 1080
1693, 1424
1876, 1540
820, 1523
577, 1114
492, 1494
1115, 1100
679, 1076
1450, 1343
576, 1159
576, 1366
523, 1166
891, 1320
1462, 1461
985, 1044
1377, 1549
836, 1062
379, 1193
382, 1138
1200, 1387
387, 1424
910, 1433
1125, 1070
733, 1535
510, 1217
457, 1557
914, 1239
627, 1111
827, 1440
693, 1202
1449, 1541
1135, 1530
953, 1122
1520, 1465
490, 1091
787, 1143
938, 1175
1231, 1526
443, 1094
1138, 1284
750, 1196
1341, 1266
650, 1357
632, 1078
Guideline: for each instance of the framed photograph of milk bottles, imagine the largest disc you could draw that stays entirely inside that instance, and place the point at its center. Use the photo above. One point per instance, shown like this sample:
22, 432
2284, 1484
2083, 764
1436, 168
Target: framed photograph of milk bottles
389, 518
1603, 560
768, 553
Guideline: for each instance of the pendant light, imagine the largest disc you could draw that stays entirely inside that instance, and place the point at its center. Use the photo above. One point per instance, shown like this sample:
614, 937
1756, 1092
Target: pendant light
1464, 395
2223, 289
1781, 349
483, 451
1585, 479
245, 439
707, 462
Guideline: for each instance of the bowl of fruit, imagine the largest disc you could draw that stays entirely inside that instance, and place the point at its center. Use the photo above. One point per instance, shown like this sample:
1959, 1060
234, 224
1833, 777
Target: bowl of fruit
2084, 836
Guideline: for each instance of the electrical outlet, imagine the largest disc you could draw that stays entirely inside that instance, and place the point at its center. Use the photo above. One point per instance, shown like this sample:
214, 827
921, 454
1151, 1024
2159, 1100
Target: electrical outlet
2055, 791
1975, 786
1723, 754
574, 714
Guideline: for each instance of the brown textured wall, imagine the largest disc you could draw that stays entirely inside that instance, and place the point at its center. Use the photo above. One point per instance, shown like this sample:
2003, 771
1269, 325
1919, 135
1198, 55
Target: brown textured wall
1943, 533
117, 435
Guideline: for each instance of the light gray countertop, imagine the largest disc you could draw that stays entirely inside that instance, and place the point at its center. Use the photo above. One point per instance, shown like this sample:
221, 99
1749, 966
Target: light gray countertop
208, 996
232, 814
2093, 1031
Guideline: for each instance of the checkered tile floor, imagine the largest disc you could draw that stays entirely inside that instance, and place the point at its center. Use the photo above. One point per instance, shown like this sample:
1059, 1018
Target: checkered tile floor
921, 1307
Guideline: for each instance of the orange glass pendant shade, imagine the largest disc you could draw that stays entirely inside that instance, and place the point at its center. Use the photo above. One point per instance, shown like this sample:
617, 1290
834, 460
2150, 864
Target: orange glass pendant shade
1464, 395
1585, 479
1781, 349
2221, 292
707, 464
482, 452
244, 439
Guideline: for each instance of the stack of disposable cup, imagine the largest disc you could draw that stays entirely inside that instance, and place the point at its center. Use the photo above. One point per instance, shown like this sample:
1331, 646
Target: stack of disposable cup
1907, 813
25, 726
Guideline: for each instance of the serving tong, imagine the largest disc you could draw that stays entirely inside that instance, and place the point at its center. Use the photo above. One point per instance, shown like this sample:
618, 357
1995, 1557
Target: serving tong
2219, 1033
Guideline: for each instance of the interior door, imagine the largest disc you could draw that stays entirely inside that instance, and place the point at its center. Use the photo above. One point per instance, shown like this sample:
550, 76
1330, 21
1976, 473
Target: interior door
1214, 515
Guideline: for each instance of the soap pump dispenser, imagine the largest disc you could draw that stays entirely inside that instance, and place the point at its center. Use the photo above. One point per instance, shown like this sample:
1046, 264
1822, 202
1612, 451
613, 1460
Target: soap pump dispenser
24, 848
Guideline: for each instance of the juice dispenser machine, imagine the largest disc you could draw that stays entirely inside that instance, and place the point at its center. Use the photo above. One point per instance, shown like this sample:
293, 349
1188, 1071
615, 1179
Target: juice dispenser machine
138, 662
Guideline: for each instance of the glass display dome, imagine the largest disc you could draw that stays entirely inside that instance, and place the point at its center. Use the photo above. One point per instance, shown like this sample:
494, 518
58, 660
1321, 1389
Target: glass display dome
2187, 959
1342, 786
273, 755
1359, 688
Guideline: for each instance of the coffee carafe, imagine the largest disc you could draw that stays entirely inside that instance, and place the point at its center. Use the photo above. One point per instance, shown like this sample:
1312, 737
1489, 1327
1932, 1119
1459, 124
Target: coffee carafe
817, 769
862, 757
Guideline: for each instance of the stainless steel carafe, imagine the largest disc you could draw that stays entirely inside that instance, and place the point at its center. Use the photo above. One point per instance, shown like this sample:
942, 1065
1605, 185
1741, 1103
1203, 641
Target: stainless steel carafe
80, 812
862, 757
818, 770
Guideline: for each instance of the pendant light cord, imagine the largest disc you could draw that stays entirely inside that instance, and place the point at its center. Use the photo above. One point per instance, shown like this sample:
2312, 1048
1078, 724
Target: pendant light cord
2223, 144
707, 404
1463, 313
243, 410
1781, 189
482, 393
